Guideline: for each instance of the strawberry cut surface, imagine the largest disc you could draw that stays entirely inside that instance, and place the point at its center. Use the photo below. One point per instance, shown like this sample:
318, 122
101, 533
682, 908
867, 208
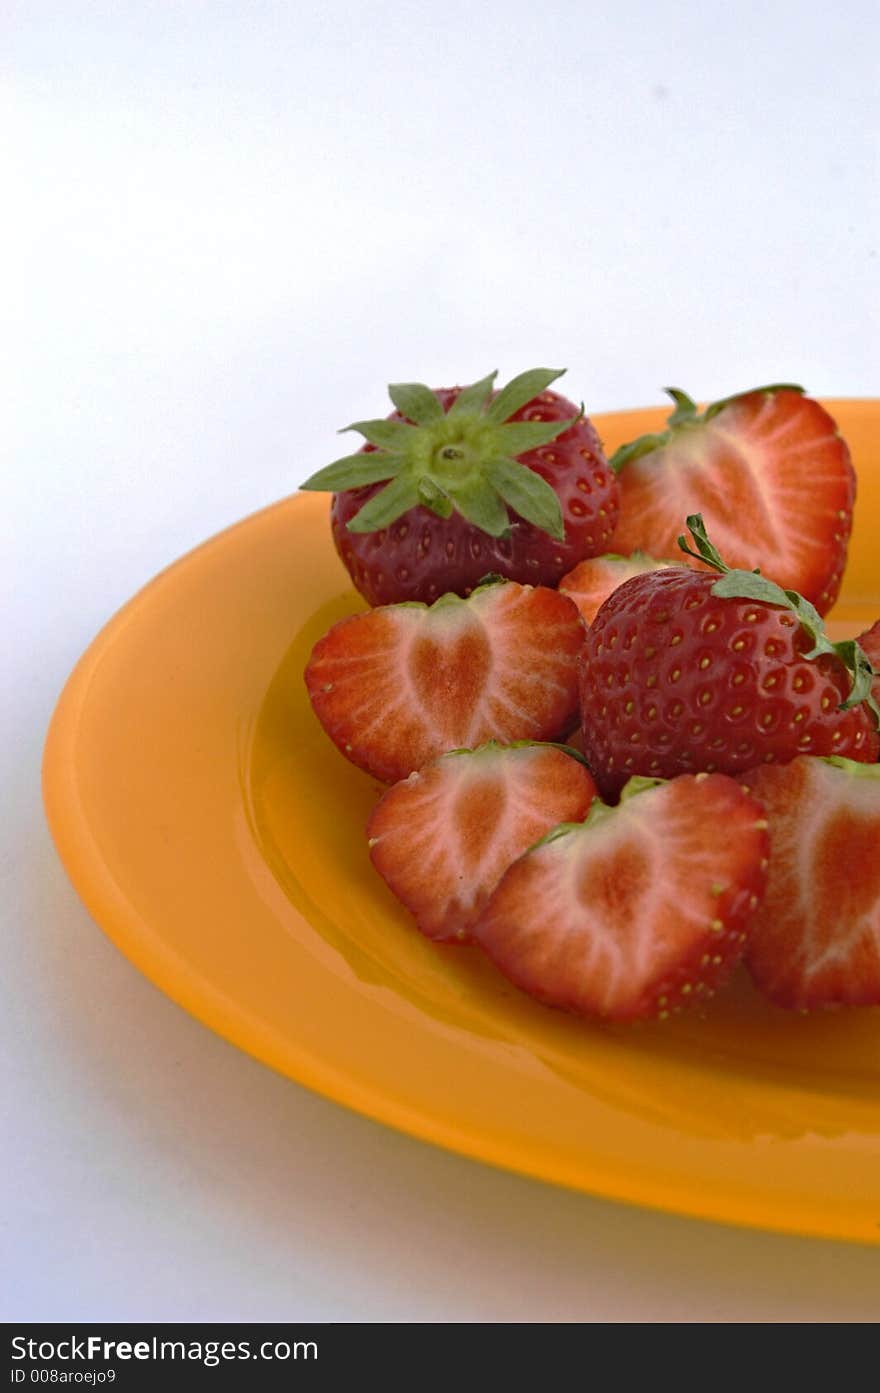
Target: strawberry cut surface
402, 684
442, 838
770, 474
638, 911
816, 938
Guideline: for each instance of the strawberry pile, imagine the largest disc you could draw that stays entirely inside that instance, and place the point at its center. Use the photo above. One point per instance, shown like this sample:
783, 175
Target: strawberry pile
621, 774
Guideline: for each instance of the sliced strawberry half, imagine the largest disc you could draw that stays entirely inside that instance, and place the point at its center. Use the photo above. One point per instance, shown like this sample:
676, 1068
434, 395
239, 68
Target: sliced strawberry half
443, 838
640, 909
770, 474
816, 937
399, 686
591, 582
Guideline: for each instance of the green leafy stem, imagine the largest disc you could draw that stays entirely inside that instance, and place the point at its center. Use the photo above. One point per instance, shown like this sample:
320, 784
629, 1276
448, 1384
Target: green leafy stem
751, 585
464, 459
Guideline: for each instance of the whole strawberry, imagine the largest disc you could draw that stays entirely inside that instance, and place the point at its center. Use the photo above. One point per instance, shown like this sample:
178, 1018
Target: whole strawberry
460, 483
683, 671
769, 472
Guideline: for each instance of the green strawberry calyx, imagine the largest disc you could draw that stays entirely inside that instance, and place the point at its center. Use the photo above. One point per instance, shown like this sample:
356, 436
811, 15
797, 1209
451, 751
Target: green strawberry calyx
685, 417
464, 459
751, 585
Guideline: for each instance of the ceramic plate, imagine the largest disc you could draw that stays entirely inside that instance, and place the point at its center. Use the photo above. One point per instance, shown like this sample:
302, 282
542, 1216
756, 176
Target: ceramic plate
217, 837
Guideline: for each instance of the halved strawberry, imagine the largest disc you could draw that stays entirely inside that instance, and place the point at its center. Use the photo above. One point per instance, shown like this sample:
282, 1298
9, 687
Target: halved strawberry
640, 909
443, 838
770, 474
591, 582
402, 684
816, 938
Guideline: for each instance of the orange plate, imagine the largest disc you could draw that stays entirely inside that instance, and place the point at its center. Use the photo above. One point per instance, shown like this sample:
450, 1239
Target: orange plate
217, 836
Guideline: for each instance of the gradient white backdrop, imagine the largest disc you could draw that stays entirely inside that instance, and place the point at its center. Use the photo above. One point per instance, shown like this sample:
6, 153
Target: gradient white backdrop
226, 226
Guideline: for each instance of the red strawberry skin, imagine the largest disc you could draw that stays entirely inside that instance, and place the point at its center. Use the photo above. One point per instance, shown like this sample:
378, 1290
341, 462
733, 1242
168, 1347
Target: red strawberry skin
773, 480
442, 838
398, 686
639, 911
591, 582
422, 556
675, 679
816, 937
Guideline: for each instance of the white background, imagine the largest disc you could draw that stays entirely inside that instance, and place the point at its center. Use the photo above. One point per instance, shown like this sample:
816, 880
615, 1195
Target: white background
226, 226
